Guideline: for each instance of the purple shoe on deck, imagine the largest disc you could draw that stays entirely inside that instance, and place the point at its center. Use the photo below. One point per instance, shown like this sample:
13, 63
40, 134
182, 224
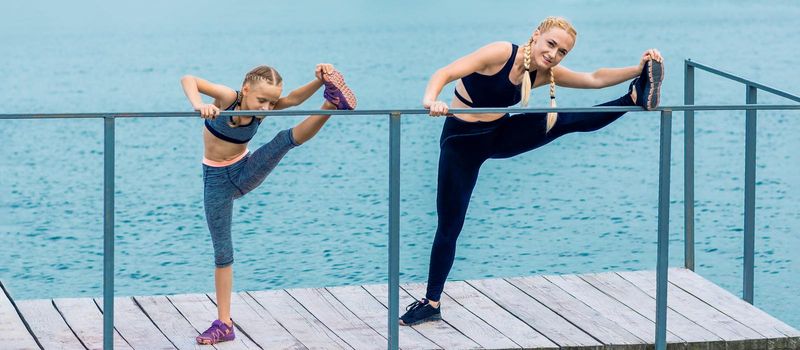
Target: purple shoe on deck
218, 332
337, 92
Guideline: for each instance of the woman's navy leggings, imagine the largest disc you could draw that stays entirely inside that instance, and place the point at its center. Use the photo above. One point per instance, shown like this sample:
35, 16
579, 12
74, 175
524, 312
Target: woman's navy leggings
466, 145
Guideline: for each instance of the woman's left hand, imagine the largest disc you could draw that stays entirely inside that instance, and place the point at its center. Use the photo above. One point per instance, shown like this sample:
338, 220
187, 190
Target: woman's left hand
323, 68
651, 54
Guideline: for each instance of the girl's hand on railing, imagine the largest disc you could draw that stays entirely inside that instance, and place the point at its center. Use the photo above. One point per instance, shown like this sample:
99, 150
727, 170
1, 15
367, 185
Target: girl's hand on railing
436, 108
207, 111
651, 54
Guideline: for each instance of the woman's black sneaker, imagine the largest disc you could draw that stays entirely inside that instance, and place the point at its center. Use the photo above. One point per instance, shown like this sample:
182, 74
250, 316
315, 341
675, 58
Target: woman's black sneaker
648, 85
420, 311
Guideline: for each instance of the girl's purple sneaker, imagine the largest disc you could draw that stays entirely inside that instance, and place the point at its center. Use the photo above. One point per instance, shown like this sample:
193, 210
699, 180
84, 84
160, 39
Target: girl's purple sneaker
218, 332
337, 92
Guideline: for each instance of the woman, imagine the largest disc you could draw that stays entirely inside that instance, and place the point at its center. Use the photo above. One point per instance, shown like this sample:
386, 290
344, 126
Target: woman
502, 74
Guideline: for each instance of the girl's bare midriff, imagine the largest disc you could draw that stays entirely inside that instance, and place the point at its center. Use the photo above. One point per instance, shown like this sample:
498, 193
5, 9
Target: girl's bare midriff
220, 150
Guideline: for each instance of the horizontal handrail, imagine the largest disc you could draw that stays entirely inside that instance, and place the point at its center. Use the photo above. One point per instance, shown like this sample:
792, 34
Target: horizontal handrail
743, 80
383, 112
394, 187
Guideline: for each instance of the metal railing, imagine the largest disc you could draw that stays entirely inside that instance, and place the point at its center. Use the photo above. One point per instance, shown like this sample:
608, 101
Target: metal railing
751, 89
394, 190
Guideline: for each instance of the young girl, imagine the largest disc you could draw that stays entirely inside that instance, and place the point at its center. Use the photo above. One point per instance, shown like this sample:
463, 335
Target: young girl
230, 170
502, 74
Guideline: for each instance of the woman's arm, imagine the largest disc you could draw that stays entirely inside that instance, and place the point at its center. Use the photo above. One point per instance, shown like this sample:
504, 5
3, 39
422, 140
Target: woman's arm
476, 61
600, 78
603, 77
194, 86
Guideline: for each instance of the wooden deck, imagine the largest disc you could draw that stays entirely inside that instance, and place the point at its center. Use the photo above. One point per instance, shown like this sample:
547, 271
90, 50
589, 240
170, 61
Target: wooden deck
592, 311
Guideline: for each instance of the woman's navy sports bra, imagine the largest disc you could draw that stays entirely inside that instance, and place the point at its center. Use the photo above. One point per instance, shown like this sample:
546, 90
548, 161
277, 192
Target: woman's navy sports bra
493, 90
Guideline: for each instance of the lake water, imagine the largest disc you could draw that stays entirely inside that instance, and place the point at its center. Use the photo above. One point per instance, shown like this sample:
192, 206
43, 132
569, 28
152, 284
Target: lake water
585, 203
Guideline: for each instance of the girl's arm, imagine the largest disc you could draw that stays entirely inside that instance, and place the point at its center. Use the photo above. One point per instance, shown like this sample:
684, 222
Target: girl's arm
477, 61
304, 92
194, 86
299, 95
603, 77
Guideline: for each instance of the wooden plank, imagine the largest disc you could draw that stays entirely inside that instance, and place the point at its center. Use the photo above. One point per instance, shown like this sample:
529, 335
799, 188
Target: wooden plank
13, 333
171, 323
259, 325
627, 293
466, 322
46, 323
477, 314
578, 313
297, 320
439, 332
730, 304
375, 314
137, 329
483, 307
337, 318
779, 334
735, 334
610, 308
536, 315
201, 312
85, 319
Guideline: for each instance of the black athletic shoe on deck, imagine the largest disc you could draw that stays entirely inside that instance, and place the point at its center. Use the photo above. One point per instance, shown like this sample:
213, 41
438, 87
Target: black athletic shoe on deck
420, 311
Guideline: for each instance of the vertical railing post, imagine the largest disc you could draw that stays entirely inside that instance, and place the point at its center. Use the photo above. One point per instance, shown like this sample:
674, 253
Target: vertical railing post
663, 229
688, 166
750, 195
394, 230
108, 233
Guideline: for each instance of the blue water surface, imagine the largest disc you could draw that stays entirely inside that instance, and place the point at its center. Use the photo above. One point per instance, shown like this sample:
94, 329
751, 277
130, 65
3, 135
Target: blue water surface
584, 203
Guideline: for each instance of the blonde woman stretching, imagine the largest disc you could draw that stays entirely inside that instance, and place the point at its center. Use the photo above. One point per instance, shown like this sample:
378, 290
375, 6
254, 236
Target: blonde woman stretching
230, 170
499, 75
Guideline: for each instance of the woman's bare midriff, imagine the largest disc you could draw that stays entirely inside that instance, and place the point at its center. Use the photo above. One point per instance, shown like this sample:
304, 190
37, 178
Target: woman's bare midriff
477, 117
481, 117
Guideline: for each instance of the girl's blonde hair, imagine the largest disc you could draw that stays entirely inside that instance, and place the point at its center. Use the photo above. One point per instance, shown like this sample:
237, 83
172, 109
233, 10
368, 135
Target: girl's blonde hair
263, 73
547, 24
260, 73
